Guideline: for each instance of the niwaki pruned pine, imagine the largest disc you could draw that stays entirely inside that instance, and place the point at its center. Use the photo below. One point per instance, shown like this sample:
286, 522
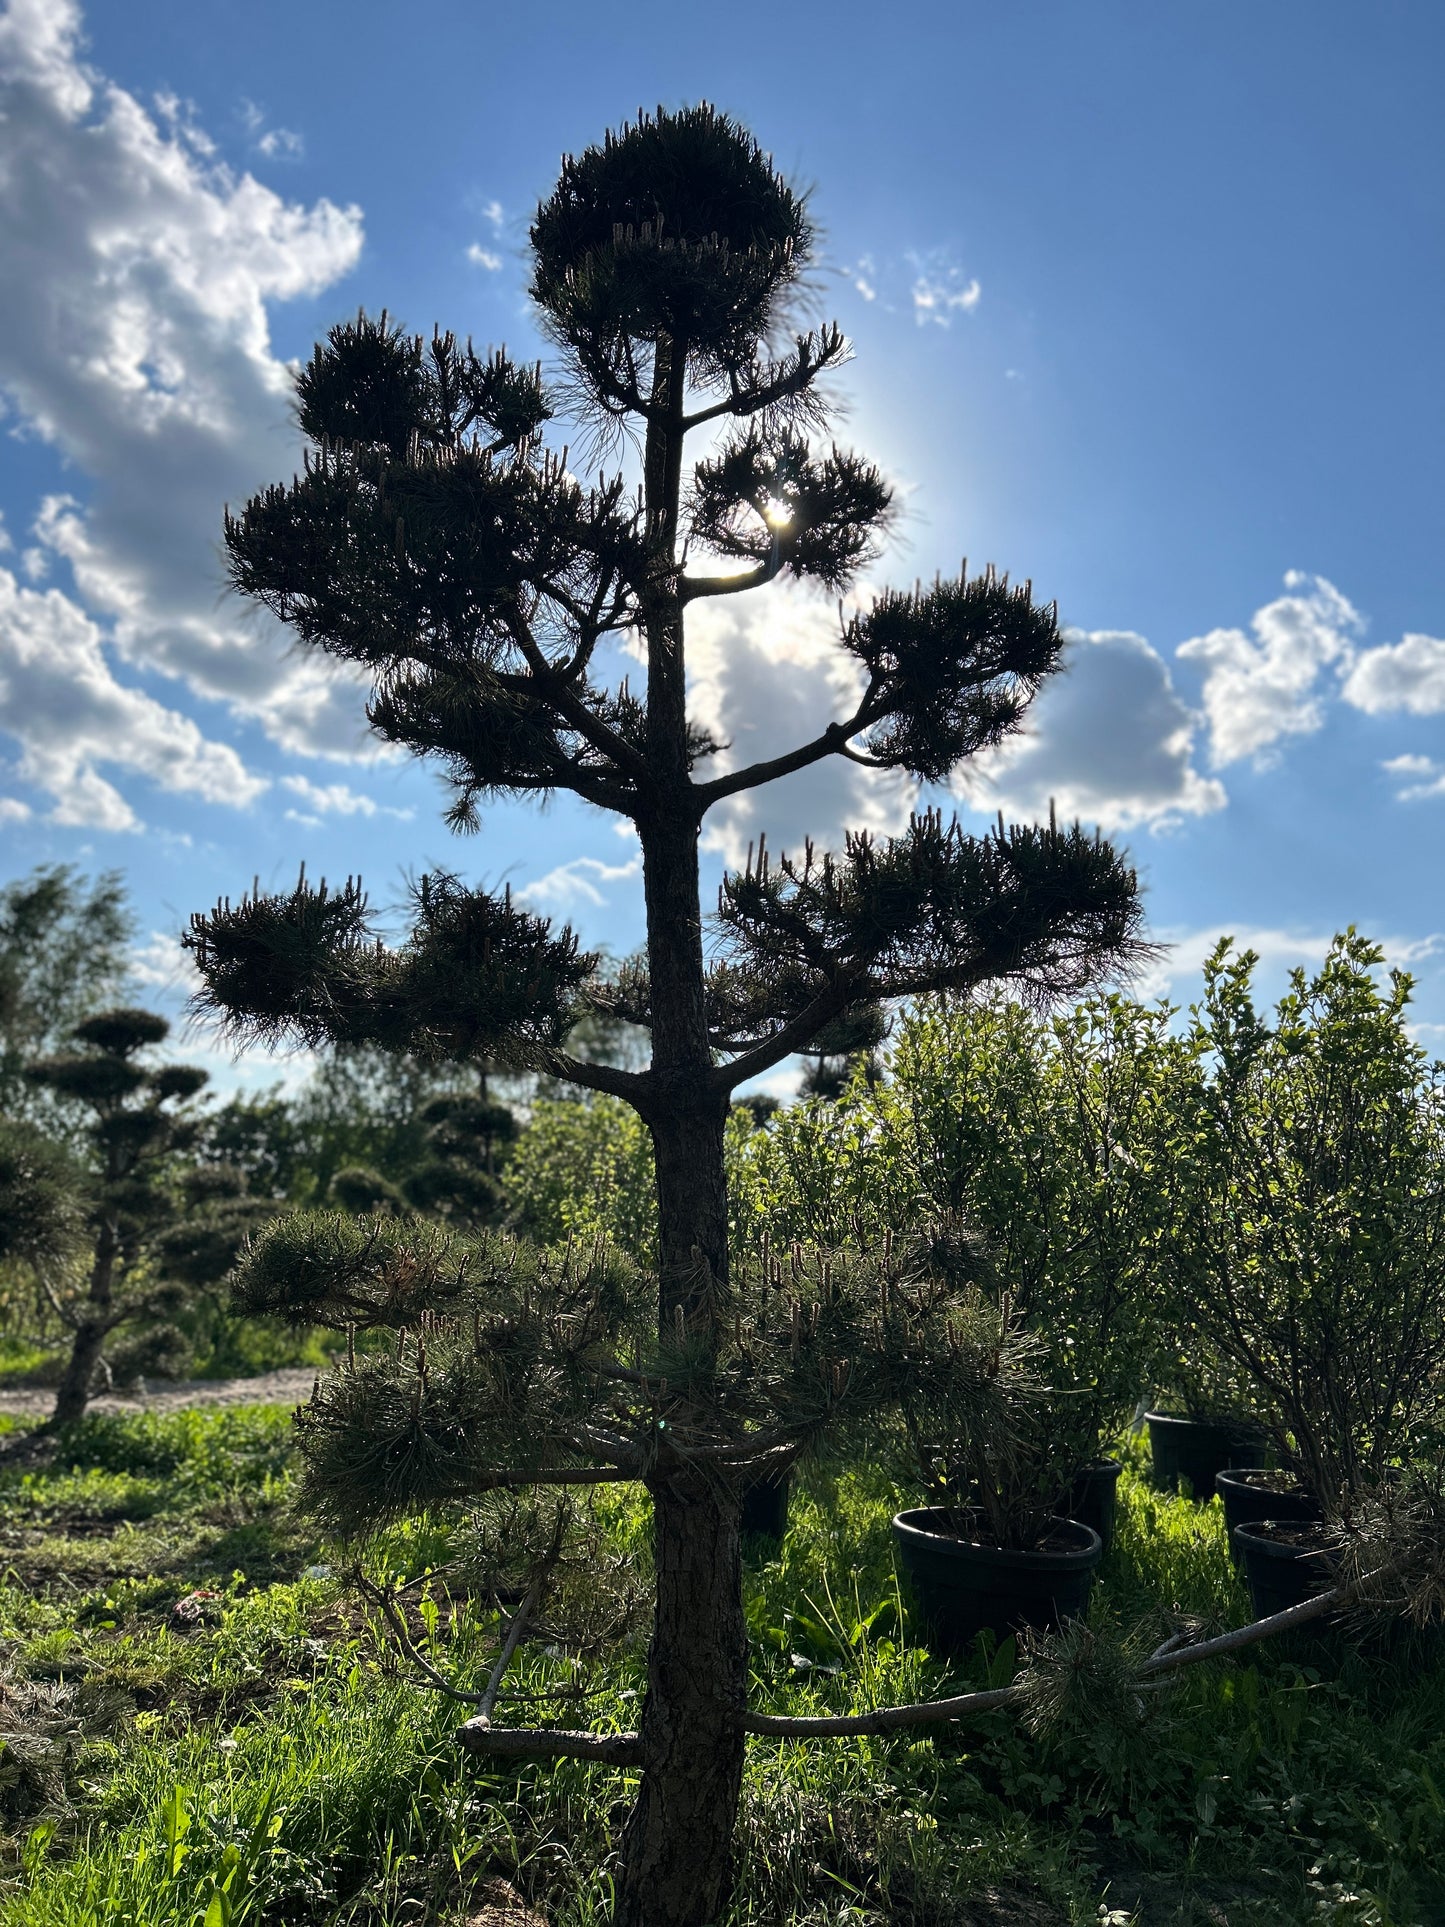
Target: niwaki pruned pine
439, 538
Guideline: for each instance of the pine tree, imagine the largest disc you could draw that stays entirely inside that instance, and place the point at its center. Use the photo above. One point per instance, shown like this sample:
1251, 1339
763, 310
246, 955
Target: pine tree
841, 1049
137, 1122
439, 541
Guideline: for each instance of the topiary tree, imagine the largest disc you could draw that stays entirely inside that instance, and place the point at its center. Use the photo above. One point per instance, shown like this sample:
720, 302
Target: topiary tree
440, 542
138, 1121
64, 953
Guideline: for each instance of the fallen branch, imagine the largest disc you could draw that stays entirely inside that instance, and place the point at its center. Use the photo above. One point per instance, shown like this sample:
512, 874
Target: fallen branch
550, 1743
625, 1749
1168, 1658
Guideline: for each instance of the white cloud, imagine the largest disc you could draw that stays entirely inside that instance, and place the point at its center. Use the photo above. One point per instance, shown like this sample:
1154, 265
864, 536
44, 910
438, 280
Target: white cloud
579, 881
279, 143
1109, 741
160, 963
335, 799
1409, 675
492, 211
481, 257
134, 337
1415, 777
5, 541
1179, 972
864, 277
766, 674
59, 698
1260, 689
273, 143
12, 810
939, 290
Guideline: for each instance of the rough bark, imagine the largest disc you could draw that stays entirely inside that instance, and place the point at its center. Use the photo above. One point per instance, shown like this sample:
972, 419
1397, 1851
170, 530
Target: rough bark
686, 1118
73, 1393
677, 1844
677, 1847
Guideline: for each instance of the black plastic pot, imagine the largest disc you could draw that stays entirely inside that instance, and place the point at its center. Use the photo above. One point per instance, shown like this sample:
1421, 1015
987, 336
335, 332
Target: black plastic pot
963, 1588
1253, 1493
1284, 1563
1197, 1450
765, 1506
1093, 1498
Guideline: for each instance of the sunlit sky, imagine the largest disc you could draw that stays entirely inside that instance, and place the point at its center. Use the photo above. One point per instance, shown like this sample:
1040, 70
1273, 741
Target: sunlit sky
1146, 304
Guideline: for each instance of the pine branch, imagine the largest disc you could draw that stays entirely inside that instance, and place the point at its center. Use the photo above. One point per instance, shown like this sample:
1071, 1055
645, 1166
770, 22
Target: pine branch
587, 724
933, 910
762, 386
767, 499
834, 741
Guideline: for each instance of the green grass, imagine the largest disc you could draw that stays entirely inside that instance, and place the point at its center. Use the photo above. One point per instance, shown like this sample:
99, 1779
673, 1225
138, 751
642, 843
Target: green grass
266, 1759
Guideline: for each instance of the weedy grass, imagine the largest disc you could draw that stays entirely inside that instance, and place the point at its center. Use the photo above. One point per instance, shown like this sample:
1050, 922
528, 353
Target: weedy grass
204, 1726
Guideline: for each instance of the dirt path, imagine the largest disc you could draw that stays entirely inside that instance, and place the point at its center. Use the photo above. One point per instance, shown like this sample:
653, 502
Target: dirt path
271, 1388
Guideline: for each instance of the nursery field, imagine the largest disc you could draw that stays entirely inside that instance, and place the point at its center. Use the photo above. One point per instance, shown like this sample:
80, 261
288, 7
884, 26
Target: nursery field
204, 1723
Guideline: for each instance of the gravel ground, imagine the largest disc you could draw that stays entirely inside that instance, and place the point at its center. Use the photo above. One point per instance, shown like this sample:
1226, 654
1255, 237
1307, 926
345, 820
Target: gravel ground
270, 1388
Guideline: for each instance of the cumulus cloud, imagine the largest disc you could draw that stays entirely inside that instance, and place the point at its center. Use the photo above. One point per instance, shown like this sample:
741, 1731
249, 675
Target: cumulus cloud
1408, 675
481, 257
1110, 741
161, 964
1415, 777
584, 880
59, 698
134, 337
12, 810
1264, 686
335, 799
766, 674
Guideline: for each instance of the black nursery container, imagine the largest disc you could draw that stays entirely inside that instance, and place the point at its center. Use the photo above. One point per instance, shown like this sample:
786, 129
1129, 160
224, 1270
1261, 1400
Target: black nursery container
1197, 1450
765, 1507
963, 1588
1093, 1498
1284, 1564
1254, 1493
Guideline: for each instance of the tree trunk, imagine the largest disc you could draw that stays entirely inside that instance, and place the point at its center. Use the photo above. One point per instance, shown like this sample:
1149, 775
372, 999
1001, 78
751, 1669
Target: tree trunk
73, 1393
686, 1118
677, 1847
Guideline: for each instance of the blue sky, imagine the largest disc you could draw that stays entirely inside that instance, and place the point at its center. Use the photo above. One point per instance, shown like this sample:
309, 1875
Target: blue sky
1146, 305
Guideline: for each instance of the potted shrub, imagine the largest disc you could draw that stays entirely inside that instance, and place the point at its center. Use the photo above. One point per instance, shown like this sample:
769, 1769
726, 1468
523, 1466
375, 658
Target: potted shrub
1203, 1422
991, 1551
1047, 1134
1310, 1240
